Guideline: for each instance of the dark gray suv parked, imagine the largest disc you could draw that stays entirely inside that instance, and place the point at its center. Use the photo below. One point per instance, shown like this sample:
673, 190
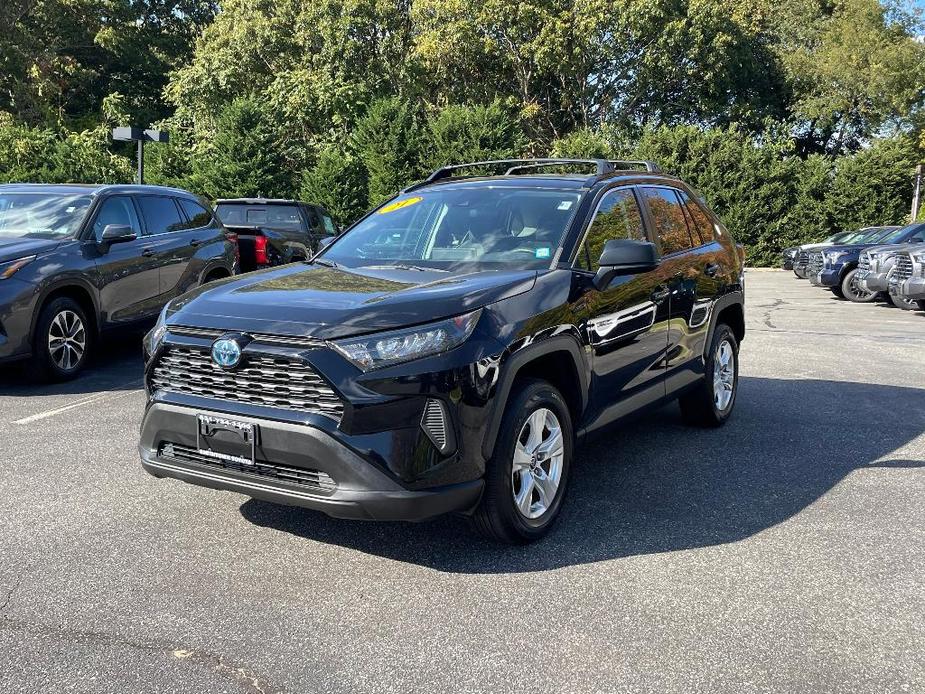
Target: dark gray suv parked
79, 260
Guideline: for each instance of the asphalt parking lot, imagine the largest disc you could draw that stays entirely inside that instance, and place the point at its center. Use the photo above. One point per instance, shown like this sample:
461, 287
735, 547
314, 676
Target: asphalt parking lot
785, 552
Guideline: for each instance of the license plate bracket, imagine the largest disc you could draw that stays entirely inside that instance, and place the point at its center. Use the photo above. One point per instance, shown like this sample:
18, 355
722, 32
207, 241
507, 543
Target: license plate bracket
227, 440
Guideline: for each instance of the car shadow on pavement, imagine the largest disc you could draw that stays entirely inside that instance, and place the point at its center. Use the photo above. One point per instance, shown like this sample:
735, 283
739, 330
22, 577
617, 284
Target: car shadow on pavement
118, 365
659, 486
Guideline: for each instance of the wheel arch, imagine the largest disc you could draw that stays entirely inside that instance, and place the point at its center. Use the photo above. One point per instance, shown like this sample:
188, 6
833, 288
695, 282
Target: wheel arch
74, 289
557, 360
729, 309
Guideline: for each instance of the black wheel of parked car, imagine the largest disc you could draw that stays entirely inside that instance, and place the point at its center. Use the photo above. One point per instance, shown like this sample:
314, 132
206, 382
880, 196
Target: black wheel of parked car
921, 303
526, 478
61, 346
904, 304
710, 404
852, 292
837, 292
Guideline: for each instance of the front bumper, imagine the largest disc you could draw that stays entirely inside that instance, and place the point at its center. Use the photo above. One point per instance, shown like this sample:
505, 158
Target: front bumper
289, 457
871, 281
17, 306
829, 277
911, 288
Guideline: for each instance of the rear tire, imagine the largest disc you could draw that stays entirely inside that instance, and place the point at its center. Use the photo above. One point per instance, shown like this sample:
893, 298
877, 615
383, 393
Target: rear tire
527, 476
711, 403
921, 303
837, 292
852, 292
62, 343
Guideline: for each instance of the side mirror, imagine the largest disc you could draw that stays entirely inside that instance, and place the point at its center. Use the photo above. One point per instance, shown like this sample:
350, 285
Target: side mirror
325, 241
625, 257
117, 233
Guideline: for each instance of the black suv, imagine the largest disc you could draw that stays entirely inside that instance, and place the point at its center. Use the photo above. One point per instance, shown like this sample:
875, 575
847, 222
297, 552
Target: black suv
275, 232
447, 351
77, 261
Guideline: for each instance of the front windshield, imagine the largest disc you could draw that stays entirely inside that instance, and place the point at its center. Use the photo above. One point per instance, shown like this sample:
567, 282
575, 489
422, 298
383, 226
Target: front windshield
41, 215
840, 237
474, 224
883, 235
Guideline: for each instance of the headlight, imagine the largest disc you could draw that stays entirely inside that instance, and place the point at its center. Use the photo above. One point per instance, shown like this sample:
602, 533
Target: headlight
10, 268
156, 335
833, 257
394, 347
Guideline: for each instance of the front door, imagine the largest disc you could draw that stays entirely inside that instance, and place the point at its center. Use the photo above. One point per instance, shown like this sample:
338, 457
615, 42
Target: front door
626, 323
128, 276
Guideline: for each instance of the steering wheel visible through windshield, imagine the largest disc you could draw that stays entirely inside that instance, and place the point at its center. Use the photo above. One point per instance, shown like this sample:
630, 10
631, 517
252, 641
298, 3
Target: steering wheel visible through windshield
460, 225
41, 215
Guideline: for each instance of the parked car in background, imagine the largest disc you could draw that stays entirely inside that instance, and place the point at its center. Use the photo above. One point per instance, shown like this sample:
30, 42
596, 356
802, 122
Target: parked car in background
77, 261
444, 353
794, 258
836, 267
275, 232
907, 281
876, 264
800, 259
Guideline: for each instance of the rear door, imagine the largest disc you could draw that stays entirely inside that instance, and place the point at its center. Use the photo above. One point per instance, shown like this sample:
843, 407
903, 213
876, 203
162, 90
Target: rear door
128, 274
166, 225
695, 267
626, 323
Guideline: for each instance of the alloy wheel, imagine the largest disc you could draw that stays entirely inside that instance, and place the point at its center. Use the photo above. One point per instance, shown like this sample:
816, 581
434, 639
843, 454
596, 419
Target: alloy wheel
67, 340
724, 373
855, 292
537, 467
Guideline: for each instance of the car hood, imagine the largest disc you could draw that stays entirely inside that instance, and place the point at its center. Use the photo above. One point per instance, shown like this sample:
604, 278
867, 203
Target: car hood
15, 248
813, 246
305, 300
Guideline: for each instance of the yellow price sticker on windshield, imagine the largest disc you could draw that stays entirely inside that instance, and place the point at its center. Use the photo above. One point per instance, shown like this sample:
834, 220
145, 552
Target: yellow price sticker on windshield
400, 204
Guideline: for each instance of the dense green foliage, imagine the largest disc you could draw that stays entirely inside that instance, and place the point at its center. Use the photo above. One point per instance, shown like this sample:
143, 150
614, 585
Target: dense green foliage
792, 117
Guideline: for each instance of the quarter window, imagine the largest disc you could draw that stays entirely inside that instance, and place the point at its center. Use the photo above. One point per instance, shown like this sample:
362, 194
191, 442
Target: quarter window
197, 215
160, 213
117, 210
617, 217
668, 219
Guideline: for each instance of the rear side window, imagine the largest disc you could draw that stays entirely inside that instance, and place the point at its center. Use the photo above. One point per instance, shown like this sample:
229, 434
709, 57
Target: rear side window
197, 215
668, 219
116, 210
701, 226
160, 213
617, 217
330, 229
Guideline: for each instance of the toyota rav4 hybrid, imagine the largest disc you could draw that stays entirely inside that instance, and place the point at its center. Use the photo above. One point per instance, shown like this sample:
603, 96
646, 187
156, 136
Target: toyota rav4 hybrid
79, 261
446, 352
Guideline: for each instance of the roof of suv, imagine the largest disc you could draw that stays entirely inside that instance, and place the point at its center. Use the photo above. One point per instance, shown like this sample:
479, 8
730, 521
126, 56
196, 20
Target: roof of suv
90, 188
259, 201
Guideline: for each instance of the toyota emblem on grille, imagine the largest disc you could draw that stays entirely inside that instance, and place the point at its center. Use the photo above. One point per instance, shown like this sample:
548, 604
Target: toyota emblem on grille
226, 352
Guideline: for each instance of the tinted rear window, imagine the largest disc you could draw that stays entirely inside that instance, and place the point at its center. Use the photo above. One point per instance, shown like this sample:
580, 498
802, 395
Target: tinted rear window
272, 216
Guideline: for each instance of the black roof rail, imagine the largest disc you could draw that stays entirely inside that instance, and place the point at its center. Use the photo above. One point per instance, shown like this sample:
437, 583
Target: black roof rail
602, 166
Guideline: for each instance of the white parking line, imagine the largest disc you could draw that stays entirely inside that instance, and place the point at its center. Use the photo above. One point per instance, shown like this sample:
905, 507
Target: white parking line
106, 394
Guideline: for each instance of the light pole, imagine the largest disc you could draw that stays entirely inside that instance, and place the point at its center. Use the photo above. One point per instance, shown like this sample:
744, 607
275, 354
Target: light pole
129, 134
917, 195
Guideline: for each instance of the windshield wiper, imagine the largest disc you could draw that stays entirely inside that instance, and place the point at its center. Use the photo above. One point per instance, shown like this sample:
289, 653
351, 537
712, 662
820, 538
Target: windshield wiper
323, 261
404, 266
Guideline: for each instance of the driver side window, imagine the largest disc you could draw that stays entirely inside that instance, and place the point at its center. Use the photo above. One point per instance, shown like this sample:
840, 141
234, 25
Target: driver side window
617, 217
116, 210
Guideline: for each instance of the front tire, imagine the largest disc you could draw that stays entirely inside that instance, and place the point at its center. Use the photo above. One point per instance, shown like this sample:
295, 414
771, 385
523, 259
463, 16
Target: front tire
526, 478
61, 346
711, 403
853, 292
905, 304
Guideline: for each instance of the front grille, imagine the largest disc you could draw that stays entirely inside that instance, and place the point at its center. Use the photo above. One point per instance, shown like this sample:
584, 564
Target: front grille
802, 260
282, 473
816, 263
902, 268
270, 381
864, 262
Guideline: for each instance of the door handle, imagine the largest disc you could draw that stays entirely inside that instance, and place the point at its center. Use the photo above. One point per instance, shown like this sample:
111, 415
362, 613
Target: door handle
196, 242
712, 269
147, 252
660, 294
